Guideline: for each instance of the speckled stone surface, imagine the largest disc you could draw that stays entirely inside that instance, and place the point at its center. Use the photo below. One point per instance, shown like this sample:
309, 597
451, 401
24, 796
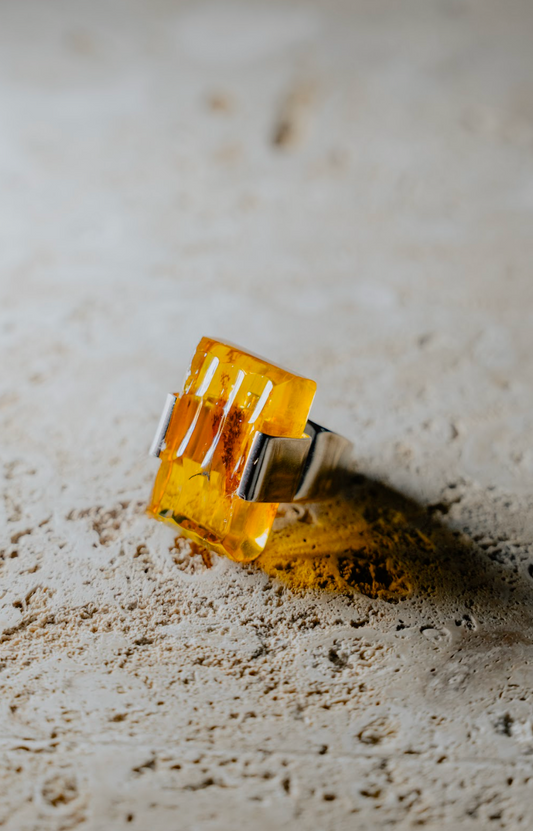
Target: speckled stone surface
346, 188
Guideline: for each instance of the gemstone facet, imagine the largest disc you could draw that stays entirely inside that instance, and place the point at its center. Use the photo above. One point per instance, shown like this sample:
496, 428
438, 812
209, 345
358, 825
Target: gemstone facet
228, 396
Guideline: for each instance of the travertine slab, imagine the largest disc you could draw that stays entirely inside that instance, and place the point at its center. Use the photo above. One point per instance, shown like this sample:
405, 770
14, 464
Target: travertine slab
346, 188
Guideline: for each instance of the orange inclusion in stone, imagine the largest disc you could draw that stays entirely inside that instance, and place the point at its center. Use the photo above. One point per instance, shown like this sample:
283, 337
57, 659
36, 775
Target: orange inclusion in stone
228, 396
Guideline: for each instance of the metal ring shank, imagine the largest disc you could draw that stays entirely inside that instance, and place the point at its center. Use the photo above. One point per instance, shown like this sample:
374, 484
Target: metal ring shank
289, 470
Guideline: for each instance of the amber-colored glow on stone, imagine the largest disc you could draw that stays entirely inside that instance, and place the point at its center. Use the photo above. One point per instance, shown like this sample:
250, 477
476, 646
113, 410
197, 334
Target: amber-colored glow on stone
365, 540
228, 396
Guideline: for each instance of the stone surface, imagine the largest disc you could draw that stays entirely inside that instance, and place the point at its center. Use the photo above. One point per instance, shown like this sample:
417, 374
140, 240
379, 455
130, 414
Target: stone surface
345, 188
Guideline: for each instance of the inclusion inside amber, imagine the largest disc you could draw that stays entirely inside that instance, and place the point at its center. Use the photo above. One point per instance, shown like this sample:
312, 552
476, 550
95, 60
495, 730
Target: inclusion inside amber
228, 396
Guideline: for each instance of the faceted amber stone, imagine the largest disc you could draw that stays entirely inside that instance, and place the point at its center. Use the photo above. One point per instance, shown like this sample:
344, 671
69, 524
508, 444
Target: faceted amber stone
228, 396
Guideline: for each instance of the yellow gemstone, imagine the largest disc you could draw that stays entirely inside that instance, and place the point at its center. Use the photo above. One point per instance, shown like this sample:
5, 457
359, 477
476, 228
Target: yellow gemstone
228, 396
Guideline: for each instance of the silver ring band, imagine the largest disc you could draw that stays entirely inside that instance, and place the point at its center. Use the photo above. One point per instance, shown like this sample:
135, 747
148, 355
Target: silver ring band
290, 470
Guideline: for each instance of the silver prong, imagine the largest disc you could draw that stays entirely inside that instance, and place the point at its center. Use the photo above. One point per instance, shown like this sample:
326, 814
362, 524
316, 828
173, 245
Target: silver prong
289, 470
273, 468
280, 469
159, 439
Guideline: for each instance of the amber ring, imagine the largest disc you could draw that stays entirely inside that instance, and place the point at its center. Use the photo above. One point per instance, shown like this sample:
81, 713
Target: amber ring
235, 443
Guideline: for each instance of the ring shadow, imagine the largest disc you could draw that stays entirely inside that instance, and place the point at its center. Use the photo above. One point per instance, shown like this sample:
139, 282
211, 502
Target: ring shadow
372, 540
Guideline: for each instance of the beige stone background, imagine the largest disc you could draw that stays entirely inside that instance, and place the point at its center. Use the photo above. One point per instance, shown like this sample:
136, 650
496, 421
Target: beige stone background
346, 188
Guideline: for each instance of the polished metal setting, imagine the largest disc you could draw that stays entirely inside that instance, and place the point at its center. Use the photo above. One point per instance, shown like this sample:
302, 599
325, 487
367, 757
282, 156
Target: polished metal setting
293, 470
274, 468
162, 428
329, 462
283, 469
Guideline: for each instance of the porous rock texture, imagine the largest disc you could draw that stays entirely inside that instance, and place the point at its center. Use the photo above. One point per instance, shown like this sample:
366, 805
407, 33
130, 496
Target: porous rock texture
345, 187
